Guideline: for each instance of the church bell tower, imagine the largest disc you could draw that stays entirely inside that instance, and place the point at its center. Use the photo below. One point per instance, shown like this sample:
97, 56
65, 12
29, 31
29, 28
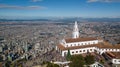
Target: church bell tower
75, 31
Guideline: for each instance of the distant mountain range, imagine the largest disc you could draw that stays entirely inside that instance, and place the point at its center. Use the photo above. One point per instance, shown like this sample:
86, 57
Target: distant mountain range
67, 19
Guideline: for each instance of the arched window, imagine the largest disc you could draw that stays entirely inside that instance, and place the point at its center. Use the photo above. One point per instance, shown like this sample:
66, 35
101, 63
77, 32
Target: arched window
90, 49
80, 51
76, 51
73, 52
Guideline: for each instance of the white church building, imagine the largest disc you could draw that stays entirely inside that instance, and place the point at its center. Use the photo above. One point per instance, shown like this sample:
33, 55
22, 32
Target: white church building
78, 45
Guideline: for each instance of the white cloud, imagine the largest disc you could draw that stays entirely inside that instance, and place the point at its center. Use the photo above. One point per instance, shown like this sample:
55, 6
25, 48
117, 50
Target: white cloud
103, 1
20, 7
92, 0
36, 0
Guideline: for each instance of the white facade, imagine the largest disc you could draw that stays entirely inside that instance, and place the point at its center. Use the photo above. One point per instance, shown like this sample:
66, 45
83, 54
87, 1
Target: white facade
79, 51
87, 49
96, 64
116, 61
75, 31
103, 50
81, 43
1, 49
37, 46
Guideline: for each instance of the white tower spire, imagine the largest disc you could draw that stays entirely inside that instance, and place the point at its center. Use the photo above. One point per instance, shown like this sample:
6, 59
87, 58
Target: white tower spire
75, 31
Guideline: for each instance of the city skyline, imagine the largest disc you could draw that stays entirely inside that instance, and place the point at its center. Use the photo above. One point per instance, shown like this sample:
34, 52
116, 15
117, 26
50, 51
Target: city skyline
59, 8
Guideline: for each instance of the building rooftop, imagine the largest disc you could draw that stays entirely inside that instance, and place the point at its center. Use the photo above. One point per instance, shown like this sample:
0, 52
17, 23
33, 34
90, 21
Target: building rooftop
79, 39
103, 45
117, 54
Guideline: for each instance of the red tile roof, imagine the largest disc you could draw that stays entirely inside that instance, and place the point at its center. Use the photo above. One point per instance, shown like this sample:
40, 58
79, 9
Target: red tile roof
117, 54
60, 46
79, 39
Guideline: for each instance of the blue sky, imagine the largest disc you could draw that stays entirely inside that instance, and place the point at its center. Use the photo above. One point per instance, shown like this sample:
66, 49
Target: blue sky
59, 8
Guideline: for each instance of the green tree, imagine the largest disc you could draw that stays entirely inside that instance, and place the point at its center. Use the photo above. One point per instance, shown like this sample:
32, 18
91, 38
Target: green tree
55, 65
68, 57
7, 63
52, 65
102, 61
77, 61
89, 59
